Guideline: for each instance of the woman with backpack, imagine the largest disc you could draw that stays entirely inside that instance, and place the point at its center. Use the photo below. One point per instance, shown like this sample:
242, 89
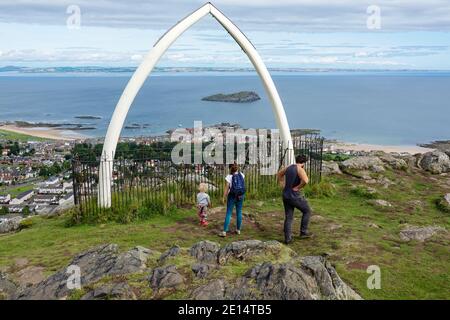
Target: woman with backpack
234, 193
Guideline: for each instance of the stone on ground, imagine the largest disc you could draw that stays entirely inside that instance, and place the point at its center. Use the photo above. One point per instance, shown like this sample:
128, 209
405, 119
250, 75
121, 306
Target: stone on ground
165, 277
419, 233
10, 225
371, 163
435, 162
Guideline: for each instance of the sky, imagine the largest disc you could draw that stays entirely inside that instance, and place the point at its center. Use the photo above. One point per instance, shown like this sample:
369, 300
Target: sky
343, 34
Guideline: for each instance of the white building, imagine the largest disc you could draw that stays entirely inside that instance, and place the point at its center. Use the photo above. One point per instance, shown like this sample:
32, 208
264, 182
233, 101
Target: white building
68, 198
45, 199
24, 196
56, 188
4, 199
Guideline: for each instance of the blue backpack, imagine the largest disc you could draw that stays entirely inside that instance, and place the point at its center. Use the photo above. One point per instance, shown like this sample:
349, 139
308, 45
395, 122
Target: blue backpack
237, 186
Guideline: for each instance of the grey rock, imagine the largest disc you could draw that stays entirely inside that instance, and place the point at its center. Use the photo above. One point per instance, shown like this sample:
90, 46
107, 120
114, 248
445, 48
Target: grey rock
7, 287
111, 291
29, 275
330, 167
362, 163
131, 261
166, 277
213, 290
330, 284
242, 250
94, 264
201, 270
205, 251
172, 252
419, 233
394, 162
309, 278
10, 225
435, 162
276, 282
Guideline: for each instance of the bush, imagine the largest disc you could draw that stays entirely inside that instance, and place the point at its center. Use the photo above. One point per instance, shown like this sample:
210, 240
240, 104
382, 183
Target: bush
335, 157
364, 192
25, 224
323, 189
442, 205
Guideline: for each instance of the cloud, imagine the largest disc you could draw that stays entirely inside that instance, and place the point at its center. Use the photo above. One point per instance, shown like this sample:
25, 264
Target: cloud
268, 15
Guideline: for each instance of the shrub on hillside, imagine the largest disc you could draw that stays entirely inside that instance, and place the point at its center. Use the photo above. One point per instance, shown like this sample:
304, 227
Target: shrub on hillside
25, 224
320, 190
364, 192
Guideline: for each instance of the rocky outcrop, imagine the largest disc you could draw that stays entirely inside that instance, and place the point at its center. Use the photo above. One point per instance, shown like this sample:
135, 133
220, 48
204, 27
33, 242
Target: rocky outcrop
116, 291
274, 272
241, 250
419, 233
394, 162
172, 252
214, 290
205, 251
10, 224
330, 167
7, 287
94, 264
310, 278
435, 162
165, 277
201, 270
371, 163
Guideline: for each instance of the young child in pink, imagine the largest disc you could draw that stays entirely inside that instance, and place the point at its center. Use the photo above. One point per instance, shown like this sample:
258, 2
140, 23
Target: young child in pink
203, 202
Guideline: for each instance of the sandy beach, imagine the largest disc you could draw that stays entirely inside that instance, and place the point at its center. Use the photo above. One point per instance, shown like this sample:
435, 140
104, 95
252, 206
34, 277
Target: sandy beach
46, 133
347, 146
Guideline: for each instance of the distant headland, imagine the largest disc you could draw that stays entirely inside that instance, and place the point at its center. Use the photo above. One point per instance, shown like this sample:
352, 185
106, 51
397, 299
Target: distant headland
88, 117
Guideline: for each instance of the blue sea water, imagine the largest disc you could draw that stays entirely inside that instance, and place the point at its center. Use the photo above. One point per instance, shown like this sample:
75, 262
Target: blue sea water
396, 108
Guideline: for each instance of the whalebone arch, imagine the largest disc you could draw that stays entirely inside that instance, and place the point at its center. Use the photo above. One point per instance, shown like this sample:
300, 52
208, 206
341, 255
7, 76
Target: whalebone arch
145, 68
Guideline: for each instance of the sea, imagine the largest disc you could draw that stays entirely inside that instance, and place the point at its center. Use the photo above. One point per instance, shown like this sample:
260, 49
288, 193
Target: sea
391, 108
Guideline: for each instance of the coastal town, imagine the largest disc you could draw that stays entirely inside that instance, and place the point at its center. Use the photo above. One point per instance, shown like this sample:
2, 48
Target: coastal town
36, 172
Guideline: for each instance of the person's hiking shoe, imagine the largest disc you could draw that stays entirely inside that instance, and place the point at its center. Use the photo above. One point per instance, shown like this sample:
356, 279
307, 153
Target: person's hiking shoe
288, 241
306, 235
223, 234
238, 232
204, 223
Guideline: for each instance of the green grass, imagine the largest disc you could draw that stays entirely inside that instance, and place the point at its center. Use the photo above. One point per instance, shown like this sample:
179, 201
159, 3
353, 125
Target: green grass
14, 191
409, 270
20, 137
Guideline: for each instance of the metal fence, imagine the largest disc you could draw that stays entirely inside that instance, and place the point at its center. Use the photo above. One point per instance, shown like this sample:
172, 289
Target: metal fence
151, 177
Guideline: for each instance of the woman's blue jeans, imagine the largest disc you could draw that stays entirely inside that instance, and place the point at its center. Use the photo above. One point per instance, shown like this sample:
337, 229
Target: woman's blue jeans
231, 203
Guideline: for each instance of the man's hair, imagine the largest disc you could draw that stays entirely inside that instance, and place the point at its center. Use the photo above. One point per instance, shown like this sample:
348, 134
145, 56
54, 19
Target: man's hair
301, 158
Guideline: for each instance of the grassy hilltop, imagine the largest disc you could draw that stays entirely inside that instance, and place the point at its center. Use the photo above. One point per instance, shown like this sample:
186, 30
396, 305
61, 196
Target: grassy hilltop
349, 227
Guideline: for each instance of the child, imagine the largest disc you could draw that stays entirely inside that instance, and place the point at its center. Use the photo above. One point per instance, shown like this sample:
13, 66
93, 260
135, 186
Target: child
203, 202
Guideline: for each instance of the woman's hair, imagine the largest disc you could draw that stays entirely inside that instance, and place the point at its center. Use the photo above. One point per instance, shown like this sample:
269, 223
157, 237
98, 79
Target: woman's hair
202, 187
234, 168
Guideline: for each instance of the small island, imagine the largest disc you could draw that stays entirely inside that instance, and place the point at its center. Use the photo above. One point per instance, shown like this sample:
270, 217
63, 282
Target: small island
238, 97
88, 117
